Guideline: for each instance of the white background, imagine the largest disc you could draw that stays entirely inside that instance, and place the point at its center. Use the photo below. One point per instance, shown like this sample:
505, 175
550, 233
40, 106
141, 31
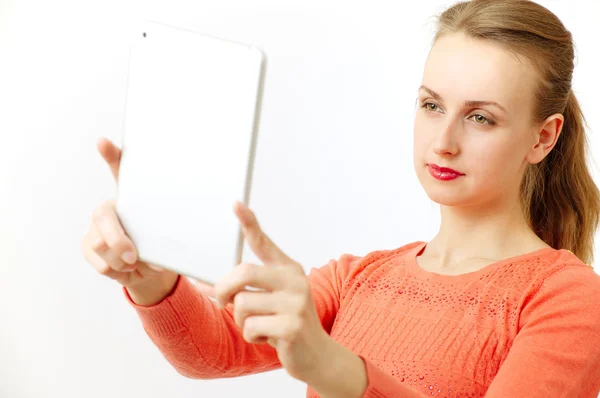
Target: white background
333, 171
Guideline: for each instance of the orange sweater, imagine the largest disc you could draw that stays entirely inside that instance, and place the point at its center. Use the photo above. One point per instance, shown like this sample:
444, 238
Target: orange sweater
527, 326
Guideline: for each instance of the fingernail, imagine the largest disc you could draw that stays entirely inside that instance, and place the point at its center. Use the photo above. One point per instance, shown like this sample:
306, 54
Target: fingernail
128, 257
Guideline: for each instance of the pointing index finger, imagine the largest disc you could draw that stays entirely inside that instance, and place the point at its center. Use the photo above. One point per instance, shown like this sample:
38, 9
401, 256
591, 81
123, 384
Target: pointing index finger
259, 242
111, 154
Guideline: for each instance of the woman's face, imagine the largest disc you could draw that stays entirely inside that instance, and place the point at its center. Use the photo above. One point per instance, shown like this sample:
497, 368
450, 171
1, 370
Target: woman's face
473, 116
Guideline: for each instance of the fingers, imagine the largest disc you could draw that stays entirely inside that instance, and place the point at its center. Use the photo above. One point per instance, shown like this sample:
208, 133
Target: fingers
106, 244
258, 241
267, 278
109, 263
256, 303
112, 244
92, 241
280, 326
111, 154
261, 316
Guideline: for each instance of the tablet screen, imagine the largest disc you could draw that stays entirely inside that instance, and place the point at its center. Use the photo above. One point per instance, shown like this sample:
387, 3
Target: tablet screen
191, 120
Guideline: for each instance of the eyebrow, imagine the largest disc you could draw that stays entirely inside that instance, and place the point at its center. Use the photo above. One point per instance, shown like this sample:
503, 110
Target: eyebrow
470, 103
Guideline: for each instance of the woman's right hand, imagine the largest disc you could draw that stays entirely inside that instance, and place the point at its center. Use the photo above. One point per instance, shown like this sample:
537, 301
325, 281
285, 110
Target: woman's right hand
109, 249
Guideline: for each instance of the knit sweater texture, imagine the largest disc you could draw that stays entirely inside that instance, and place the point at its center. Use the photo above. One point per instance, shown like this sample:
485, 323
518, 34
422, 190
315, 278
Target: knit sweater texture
525, 326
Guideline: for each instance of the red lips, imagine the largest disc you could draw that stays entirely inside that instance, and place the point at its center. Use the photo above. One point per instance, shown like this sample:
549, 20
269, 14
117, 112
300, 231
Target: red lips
443, 173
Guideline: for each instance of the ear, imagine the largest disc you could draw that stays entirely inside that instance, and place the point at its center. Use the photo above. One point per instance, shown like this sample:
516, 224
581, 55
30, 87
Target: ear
545, 138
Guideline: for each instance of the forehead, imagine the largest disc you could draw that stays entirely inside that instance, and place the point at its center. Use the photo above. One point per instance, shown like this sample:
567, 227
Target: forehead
460, 68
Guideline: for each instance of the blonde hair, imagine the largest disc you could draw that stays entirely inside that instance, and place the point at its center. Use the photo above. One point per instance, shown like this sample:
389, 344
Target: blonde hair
558, 195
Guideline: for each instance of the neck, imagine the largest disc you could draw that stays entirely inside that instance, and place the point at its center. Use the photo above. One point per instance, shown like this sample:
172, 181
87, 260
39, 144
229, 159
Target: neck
492, 231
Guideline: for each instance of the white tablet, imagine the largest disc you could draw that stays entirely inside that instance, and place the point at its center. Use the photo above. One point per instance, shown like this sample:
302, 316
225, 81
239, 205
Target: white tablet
190, 129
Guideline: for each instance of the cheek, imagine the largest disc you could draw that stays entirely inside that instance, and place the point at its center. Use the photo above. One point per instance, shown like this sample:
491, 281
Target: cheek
493, 162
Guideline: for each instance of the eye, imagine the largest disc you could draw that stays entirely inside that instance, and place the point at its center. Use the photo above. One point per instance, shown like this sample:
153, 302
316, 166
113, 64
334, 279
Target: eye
430, 106
479, 119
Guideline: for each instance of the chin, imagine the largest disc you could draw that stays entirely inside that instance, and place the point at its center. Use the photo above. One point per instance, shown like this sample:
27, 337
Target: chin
452, 193
446, 197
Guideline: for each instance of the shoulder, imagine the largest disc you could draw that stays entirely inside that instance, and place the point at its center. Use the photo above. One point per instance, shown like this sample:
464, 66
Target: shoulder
570, 289
348, 267
572, 275
562, 268
377, 257
364, 266
529, 273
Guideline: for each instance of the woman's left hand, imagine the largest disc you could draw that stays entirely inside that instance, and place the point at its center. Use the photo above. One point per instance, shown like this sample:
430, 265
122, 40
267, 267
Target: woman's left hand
283, 313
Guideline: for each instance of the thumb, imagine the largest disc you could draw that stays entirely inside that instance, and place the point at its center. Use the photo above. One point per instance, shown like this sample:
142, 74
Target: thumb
111, 154
259, 242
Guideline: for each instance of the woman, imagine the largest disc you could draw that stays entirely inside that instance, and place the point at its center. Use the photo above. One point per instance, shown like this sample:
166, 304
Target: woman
499, 303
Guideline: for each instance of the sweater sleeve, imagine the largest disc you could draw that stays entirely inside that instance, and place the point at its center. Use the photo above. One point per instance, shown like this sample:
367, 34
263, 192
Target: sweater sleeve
556, 352
202, 341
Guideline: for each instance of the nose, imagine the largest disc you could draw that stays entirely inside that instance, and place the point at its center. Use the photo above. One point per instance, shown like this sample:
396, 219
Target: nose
446, 141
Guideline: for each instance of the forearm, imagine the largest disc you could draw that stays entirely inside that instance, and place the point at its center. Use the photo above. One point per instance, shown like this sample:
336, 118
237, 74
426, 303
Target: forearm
199, 339
343, 374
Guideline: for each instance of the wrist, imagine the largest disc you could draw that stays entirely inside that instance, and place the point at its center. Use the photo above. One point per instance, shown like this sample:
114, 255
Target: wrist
340, 373
154, 291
